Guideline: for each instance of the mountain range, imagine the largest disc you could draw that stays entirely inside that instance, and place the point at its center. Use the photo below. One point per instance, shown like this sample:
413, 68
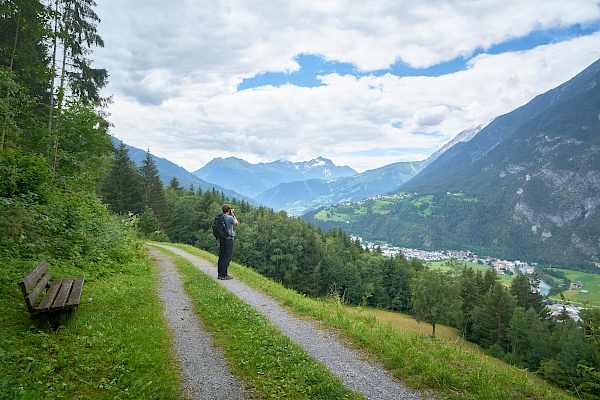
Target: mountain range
301, 196
296, 187
527, 185
253, 179
168, 170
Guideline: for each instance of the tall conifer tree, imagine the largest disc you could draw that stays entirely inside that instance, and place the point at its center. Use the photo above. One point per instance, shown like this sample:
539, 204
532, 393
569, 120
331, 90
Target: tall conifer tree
122, 188
153, 192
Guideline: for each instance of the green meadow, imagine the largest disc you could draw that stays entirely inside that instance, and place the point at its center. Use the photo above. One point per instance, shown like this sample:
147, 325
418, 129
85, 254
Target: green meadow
591, 283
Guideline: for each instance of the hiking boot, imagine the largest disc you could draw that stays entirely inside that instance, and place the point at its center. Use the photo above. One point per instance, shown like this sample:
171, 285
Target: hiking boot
225, 278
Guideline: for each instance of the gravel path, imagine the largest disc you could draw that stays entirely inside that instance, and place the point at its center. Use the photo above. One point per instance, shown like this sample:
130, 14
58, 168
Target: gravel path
205, 375
370, 380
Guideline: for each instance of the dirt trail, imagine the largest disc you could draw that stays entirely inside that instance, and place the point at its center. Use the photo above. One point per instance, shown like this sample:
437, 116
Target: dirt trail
359, 375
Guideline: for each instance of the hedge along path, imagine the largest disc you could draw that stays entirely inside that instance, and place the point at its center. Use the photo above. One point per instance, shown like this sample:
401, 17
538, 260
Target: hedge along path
205, 374
357, 374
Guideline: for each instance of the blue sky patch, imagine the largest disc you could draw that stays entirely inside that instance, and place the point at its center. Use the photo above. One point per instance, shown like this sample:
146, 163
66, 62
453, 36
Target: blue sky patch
312, 65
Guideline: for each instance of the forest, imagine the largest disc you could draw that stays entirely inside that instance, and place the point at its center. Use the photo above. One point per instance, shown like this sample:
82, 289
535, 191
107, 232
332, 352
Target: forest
67, 194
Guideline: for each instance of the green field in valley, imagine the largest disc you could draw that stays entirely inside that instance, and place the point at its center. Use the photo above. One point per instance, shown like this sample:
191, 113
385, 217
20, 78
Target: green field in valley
591, 284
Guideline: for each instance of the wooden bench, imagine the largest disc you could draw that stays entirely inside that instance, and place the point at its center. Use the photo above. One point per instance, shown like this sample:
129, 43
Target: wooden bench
49, 300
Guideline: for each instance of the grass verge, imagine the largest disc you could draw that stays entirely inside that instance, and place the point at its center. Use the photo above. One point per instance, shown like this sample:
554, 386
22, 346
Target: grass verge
269, 363
116, 347
421, 362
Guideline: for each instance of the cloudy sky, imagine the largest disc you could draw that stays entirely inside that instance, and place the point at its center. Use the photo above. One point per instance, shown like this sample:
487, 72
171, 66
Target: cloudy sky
363, 83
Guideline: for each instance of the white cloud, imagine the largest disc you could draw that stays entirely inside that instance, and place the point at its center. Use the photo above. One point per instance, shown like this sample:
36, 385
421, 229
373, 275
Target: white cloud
174, 68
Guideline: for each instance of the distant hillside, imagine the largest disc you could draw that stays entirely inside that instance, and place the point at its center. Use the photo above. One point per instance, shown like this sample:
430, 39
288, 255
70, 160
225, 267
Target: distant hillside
299, 197
526, 186
167, 170
253, 179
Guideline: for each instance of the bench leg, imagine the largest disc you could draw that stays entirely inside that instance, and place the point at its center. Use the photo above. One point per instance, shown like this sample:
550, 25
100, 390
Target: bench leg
62, 318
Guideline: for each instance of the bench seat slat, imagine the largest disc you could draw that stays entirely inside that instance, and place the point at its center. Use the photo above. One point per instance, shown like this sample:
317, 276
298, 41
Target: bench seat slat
75, 292
51, 293
63, 294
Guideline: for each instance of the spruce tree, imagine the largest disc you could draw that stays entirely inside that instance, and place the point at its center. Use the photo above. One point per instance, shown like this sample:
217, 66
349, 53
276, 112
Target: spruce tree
153, 192
498, 306
471, 297
122, 189
174, 184
525, 288
518, 333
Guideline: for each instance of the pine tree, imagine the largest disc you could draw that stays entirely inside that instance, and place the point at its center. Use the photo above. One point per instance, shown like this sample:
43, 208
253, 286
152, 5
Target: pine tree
525, 288
498, 306
122, 189
23, 81
153, 192
75, 33
471, 297
174, 184
518, 333
539, 333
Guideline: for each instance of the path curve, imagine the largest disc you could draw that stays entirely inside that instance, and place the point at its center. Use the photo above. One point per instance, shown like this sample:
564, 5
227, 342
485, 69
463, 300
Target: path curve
205, 375
372, 381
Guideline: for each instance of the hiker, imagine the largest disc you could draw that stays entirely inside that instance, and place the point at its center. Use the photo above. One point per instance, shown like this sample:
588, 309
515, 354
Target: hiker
226, 244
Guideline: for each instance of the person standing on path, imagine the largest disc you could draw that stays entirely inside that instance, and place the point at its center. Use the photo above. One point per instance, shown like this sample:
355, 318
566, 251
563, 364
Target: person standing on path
226, 244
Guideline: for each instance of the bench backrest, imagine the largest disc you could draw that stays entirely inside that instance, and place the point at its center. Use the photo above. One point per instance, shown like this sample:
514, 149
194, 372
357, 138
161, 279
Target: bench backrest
34, 283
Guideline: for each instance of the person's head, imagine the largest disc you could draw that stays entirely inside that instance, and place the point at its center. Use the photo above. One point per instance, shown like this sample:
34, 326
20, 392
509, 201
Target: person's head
226, 208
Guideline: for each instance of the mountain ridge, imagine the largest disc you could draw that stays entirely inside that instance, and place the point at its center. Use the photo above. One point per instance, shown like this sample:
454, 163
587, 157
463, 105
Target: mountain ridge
526, 186
253, 179
302, 196
168, 170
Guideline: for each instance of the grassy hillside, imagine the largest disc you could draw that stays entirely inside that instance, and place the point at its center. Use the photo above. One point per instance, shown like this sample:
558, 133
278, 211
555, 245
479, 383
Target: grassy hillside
103, 353
116, 347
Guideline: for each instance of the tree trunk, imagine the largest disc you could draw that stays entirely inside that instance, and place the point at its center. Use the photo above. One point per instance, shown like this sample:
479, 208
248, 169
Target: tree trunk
12, 59
61, 91
53, 69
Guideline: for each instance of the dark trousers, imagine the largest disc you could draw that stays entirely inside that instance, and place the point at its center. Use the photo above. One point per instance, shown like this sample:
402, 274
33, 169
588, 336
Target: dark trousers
225, 254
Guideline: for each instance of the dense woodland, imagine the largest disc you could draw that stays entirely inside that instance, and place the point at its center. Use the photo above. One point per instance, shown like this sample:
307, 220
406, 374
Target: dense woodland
68, 195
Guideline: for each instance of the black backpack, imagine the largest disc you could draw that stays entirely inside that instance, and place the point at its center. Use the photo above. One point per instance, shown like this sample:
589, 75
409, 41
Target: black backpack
219, 228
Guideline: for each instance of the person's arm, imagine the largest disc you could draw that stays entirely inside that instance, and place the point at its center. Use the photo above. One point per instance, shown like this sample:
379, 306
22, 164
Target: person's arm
235, 221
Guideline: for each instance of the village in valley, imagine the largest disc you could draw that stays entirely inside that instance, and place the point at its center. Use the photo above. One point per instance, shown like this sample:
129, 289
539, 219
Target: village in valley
501, 267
